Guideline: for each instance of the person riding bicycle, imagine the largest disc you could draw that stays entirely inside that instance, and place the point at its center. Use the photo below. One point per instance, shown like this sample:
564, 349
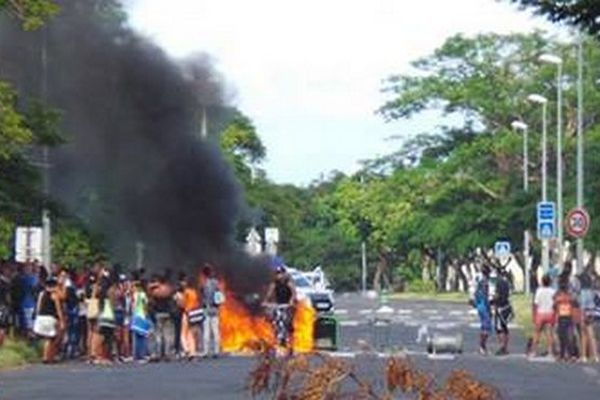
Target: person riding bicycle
283, 293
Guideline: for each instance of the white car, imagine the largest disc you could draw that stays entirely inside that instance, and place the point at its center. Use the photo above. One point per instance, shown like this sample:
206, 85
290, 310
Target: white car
321, 299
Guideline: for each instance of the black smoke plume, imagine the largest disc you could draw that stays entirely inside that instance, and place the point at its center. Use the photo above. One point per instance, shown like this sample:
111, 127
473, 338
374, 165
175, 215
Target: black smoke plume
134, 168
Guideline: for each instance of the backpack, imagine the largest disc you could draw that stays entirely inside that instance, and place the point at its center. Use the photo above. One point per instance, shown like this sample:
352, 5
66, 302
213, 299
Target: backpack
594, 312
212, 293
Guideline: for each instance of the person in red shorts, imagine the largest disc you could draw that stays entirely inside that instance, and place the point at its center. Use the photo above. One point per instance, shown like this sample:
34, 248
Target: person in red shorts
543, 315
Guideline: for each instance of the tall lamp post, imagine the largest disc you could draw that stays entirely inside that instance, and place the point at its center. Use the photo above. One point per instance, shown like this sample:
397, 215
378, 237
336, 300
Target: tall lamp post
521, 126
557, 61
580, 199
539, 99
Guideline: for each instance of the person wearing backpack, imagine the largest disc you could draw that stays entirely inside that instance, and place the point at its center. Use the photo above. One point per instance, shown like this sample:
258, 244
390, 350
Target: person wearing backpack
503, 312
140, 323
212, 298
107, 320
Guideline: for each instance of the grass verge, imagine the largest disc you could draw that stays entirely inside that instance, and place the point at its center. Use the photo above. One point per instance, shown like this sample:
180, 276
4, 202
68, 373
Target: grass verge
522, 309
15, 353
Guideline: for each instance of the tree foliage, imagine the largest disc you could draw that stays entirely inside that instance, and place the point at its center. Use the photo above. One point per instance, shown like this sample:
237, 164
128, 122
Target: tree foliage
582, 13
31, 13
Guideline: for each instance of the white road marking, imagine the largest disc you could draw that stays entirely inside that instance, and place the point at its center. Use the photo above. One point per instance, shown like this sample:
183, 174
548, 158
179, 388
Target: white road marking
404, 311
472, 311
365, 311
431, 311
457, 312
445, 325
385, 310
443, 357
349, 323
341, 312
435, 318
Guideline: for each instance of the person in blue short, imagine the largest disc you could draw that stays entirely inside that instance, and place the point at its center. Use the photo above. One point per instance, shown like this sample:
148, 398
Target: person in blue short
482, 304
29, 283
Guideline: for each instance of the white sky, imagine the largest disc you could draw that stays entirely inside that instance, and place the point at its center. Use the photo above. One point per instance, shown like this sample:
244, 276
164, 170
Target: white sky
309, 72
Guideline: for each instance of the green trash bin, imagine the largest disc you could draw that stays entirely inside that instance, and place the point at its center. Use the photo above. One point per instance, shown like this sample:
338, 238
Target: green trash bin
326, 333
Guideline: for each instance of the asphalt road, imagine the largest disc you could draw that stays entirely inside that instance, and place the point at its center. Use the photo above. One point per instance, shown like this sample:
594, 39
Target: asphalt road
225, 378
357, 314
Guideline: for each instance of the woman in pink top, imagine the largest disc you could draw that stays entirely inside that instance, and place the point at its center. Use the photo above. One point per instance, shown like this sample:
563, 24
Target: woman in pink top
543, 315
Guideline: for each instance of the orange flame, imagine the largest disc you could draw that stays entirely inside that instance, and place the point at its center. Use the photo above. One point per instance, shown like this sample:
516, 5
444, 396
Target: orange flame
239, 328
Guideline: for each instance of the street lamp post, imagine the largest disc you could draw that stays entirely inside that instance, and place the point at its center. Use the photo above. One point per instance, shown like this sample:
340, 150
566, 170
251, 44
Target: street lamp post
521, 126
538, 99
580, 199
555, 60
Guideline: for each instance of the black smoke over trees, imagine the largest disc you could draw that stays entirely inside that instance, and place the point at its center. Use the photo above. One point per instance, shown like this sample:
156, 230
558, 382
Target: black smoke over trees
134, 167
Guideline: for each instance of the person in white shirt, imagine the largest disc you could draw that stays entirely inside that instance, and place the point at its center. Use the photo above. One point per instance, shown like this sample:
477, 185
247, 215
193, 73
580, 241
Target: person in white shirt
543, 314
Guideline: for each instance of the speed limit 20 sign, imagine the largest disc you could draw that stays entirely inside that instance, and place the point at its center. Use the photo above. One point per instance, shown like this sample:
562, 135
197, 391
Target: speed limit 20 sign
578, 222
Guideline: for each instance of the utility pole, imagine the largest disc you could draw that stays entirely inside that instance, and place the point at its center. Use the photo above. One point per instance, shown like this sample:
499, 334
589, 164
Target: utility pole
521, 126
559, 164
139, 255
580, 177
363, 250
204, 124
46, 222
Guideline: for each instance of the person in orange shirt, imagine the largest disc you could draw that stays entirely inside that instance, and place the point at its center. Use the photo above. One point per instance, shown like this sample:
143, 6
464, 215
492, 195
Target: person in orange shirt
564, 309
188, 301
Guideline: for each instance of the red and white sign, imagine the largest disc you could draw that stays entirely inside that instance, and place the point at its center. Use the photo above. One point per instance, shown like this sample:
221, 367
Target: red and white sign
577, 222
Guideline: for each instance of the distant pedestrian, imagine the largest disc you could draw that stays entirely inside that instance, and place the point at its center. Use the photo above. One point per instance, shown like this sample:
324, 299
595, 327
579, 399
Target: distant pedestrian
564, 306
482, 304
589, 347
163, 307
107, 323
192, 316
50, 319
212, 298
71, 302
5, 306
544, 315
28, 288
503, 311
92, 306
140, 322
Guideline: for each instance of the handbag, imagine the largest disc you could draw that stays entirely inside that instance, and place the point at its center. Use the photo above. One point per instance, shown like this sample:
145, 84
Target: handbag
218, 298
45, 326
93, 308
107, 317
141, 326
195, 316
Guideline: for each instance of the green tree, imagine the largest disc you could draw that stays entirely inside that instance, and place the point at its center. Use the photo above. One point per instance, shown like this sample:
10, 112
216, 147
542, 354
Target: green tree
242, 147
582, 13
31, 13
14, 132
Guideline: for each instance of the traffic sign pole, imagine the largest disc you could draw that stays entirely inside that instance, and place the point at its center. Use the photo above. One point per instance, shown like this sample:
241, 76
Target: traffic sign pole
546, 226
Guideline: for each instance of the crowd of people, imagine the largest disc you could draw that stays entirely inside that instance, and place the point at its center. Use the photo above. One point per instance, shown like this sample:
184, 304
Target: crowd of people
106, 314
565, 310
